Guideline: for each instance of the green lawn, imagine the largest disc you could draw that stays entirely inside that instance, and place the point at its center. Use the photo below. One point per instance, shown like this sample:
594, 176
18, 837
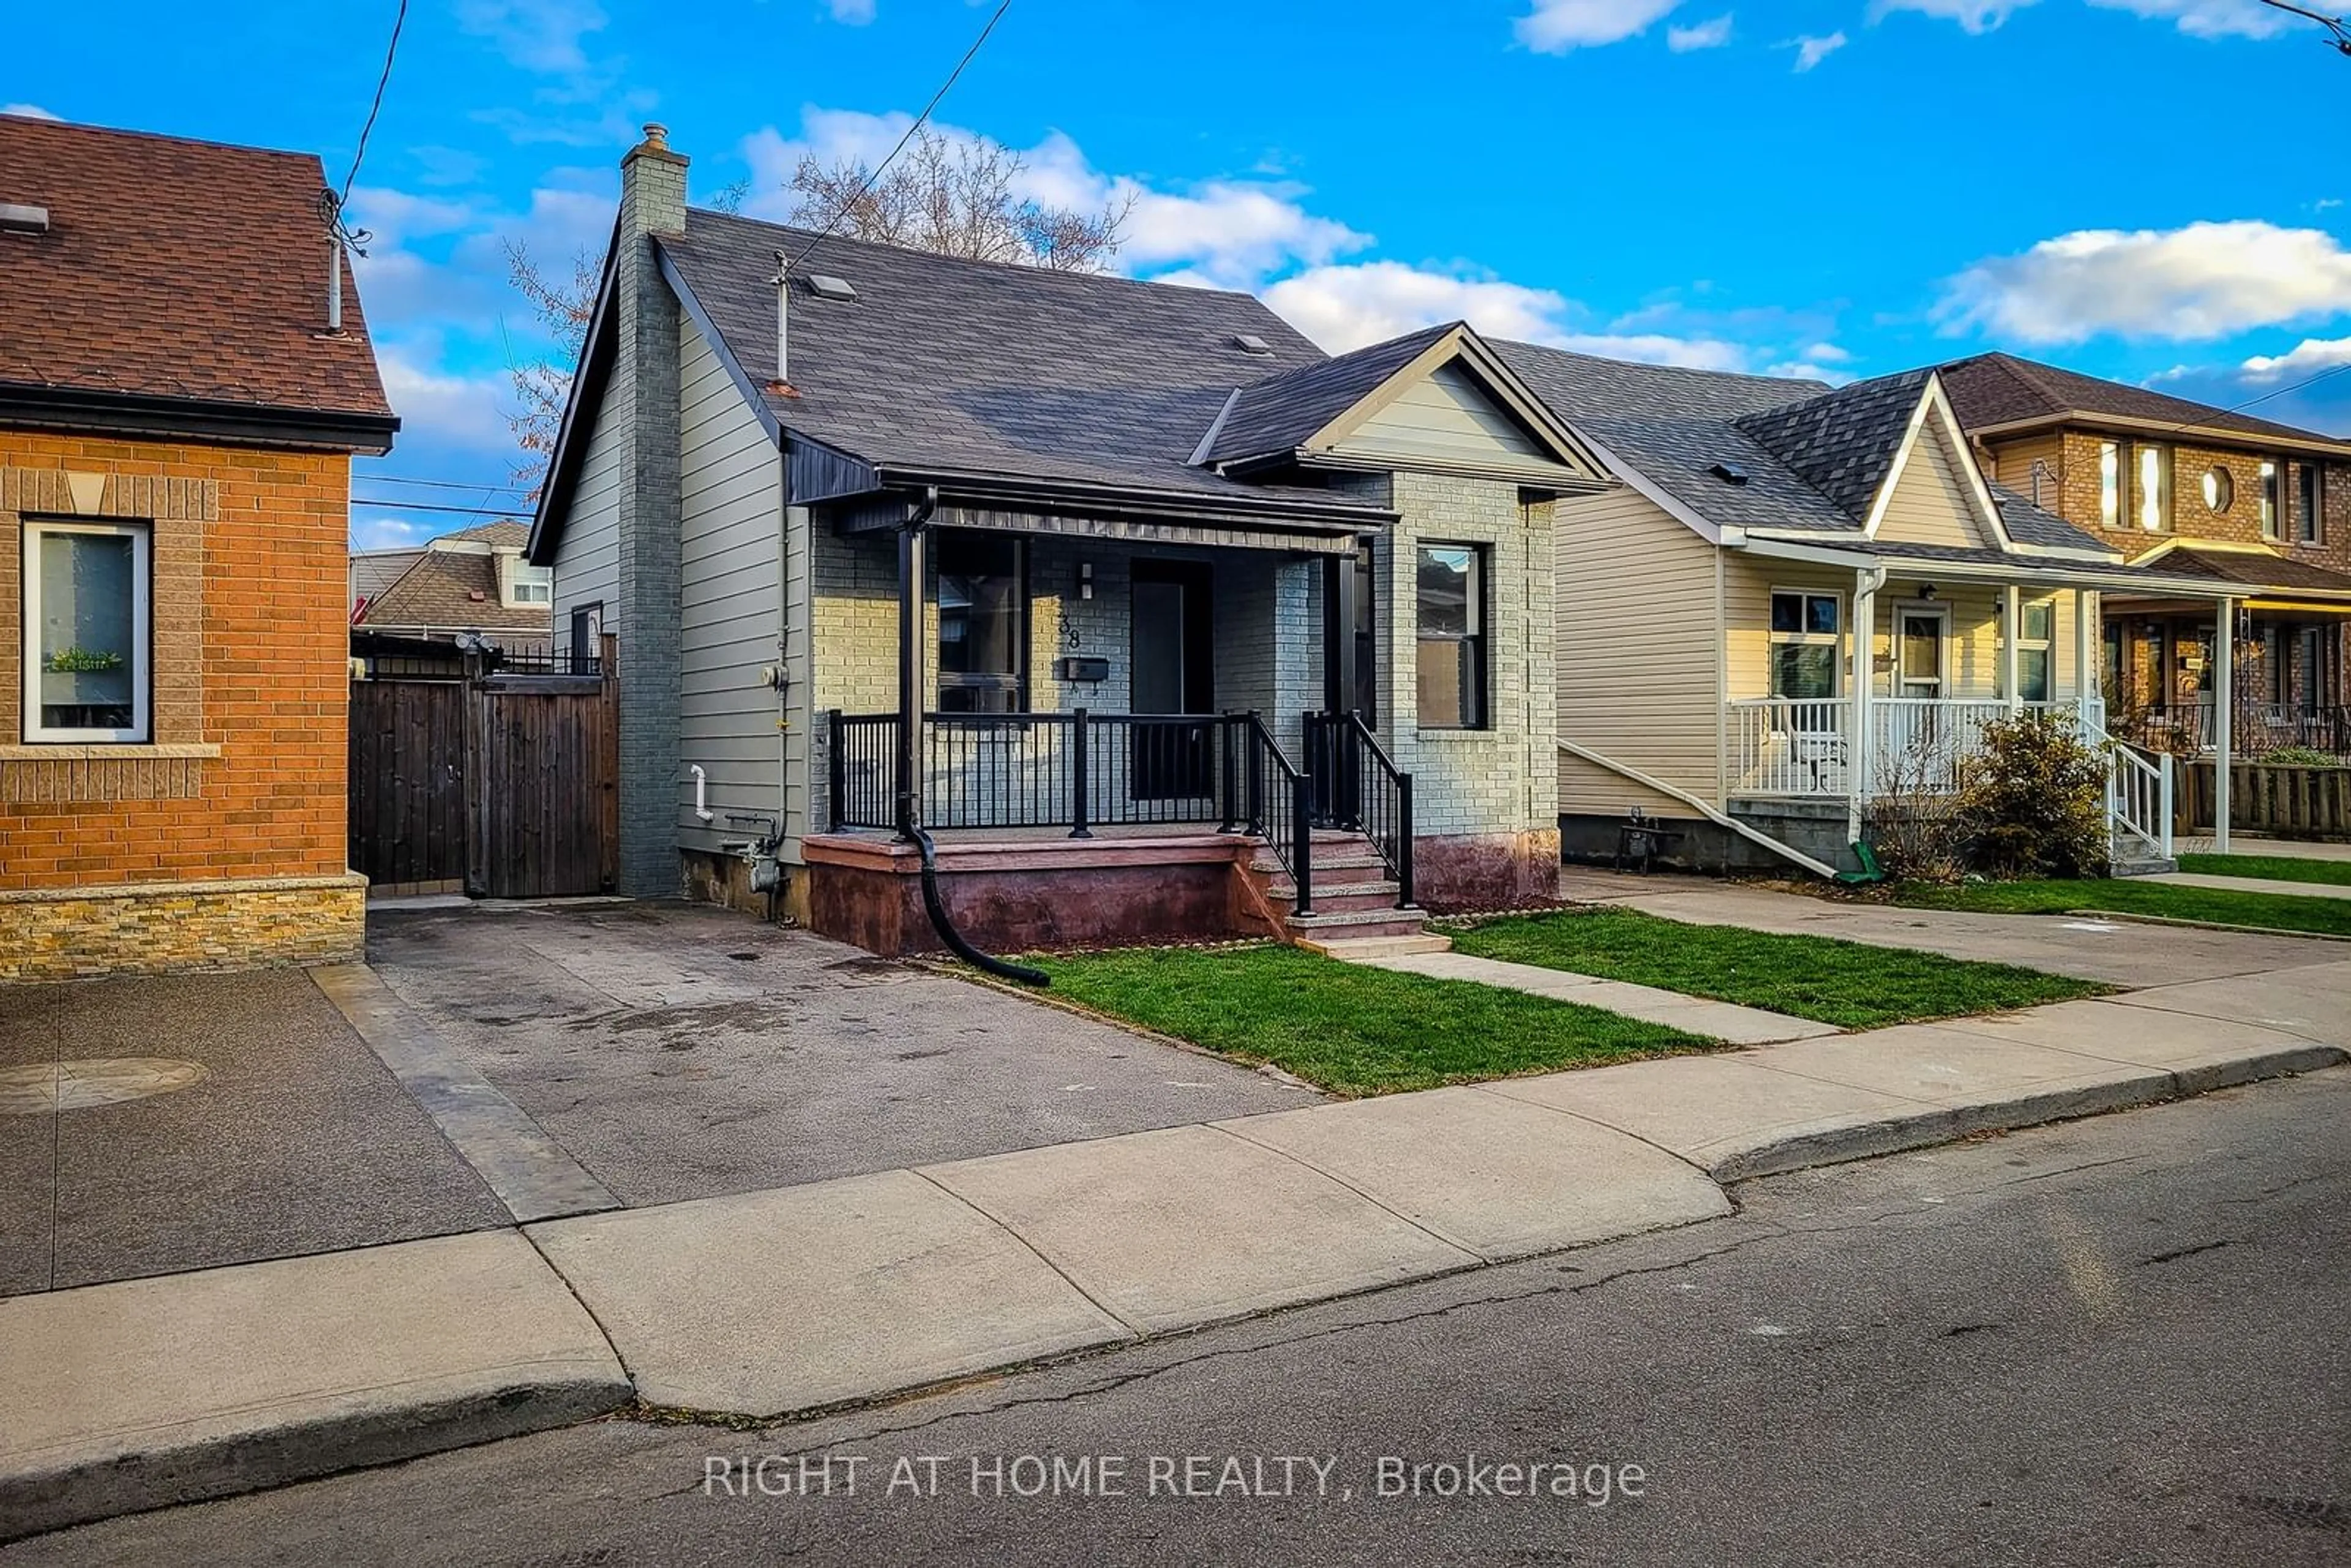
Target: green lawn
2277, 868
1848, 984
1351, 1029
2132, 895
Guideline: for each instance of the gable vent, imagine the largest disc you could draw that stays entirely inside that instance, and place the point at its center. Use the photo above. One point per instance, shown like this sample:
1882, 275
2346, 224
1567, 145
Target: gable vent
1250, 343
825, 286
16, 218
1729, 472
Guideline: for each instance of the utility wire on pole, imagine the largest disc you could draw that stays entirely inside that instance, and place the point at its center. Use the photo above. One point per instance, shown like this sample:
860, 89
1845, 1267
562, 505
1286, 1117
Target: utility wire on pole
2335, 26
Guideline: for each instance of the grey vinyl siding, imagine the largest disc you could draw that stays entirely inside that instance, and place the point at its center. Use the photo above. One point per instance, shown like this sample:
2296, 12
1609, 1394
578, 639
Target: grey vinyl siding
587, 562
1640, 654
1444, 415
730, 586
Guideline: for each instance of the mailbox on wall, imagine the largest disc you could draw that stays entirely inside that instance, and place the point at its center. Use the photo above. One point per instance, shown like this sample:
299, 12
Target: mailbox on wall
1081, 669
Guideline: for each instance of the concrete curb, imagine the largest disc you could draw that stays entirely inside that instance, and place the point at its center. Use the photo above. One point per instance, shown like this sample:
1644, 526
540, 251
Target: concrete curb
2131, 919
162, 1476
1869, 1140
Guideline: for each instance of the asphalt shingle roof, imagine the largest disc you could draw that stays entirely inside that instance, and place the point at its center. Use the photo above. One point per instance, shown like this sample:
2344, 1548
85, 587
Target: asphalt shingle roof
1999, 389
2034, 525
453, 591
944, 365
1279, 413
2262, 569
174, 268
1842, 443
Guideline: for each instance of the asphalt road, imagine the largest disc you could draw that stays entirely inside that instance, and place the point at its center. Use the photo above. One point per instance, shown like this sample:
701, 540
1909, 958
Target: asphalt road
2120, 1340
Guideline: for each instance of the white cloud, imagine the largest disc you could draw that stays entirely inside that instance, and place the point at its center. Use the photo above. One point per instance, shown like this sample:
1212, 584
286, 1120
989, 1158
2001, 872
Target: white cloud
2206, 280
1555, 26
1346, 306
448, 412
1972, 16
853, 13
537, 34
1224, 233
1703, 35
2210, 19
398, 214
2306, 358
29, 110
375, 530
1811, 51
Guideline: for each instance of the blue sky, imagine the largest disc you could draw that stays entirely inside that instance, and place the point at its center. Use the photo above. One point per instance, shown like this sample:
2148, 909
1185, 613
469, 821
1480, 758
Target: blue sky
2146, 189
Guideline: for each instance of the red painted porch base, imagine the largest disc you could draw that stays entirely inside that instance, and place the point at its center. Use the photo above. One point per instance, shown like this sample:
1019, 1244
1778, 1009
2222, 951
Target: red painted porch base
1493, 871
1013, 895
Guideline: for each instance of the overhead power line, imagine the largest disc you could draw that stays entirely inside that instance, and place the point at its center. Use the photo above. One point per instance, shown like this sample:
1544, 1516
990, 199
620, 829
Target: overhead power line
921, 119
2341, 38
383, 80
427, 506
476, 486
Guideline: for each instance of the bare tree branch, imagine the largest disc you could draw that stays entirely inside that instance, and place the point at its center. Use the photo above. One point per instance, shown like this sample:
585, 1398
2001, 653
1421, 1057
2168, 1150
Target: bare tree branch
563, 308
954, 197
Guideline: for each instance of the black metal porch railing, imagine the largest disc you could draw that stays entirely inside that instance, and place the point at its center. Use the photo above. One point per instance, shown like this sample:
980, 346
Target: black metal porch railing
2185, 729
1078, 770
1357, 786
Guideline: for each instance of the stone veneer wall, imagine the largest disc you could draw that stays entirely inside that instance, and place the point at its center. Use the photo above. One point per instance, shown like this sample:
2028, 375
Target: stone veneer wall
181, 927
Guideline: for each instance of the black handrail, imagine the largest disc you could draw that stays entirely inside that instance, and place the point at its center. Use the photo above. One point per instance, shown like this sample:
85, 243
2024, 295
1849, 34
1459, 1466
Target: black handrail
1280, 802
1358, 787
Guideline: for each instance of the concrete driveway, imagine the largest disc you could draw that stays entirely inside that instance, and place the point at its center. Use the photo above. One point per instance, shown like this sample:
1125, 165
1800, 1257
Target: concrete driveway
680, 1052
149, 1126
2120, 953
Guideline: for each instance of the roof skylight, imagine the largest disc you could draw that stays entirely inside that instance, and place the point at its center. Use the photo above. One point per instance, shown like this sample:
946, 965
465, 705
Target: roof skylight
826, 286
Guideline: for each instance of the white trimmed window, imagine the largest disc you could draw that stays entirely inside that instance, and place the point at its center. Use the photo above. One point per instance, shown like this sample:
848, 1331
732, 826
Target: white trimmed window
2309, 503
1807, 643
2035, 621
2154, 492
2112, 459
2272, 498
88, 662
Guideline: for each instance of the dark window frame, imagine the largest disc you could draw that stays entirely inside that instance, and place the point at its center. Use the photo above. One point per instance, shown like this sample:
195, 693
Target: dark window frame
965, 684
1476, 649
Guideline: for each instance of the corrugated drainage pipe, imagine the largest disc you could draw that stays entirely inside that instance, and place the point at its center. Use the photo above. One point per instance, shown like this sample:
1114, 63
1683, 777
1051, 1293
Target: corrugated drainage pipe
955, 939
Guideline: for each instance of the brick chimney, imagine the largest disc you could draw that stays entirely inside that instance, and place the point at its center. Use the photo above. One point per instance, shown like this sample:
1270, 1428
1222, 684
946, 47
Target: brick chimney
642, 405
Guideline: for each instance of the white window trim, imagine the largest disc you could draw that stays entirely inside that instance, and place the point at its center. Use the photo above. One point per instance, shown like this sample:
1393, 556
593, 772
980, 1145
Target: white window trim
2273, 501
1805, 639
2027, 643
142, 653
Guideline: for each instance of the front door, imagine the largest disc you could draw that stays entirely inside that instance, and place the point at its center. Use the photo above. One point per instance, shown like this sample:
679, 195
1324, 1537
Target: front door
1920, 634
1172, 667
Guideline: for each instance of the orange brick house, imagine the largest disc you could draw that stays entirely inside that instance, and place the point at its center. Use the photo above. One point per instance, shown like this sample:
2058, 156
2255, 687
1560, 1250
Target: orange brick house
177, 422
2247, 503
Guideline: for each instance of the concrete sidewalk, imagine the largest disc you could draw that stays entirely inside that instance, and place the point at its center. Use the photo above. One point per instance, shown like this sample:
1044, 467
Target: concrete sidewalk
2255, 884
1725, 1021
773, 1304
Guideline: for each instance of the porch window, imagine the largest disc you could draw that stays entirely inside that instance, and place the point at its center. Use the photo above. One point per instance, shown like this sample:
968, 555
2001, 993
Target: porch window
2155, 489
87, 664
2272, 498
2035, 620
2316, 688
1450, 584
982, 623
2309, 497
1807, 643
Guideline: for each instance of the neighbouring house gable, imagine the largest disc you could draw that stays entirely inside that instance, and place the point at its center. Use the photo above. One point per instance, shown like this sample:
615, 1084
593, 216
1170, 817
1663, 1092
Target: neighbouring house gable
1445, 414
1931, 499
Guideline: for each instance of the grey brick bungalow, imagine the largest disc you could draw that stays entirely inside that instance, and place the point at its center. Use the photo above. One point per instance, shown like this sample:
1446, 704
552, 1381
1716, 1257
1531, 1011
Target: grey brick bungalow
1210, 632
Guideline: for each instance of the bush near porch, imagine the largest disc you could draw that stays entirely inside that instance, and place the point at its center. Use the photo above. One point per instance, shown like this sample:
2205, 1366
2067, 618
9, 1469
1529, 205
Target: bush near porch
1346, 1028
2031, 803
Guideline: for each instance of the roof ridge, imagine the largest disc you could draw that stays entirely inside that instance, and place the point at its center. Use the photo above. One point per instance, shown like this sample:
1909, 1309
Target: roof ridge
51, 126
1026, 269
1699, 371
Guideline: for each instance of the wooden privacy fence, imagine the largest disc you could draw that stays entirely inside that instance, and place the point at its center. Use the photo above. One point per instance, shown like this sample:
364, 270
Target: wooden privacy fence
504, 785
2265, 798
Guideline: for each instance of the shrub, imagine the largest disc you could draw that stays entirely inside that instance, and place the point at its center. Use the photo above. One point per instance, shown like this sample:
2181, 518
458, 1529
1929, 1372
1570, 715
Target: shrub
2033, 803
1915, 823
2298, 757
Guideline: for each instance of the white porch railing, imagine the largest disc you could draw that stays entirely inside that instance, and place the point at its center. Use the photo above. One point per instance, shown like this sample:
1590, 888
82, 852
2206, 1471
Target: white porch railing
2138, 802
1802, 747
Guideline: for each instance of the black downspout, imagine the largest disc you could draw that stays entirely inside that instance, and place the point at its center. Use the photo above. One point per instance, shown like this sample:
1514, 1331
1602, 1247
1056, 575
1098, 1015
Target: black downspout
912, 687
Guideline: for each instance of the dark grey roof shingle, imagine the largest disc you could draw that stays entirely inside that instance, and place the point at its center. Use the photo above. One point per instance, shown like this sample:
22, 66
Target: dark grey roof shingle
1842, 443
1279, 413
1999, 388
944, 365
2031, 525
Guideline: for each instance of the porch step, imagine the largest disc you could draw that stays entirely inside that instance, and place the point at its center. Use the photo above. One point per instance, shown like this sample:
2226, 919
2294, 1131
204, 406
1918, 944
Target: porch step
2151, 866
1351, 924
1336, 897
1358, 949
1334, 867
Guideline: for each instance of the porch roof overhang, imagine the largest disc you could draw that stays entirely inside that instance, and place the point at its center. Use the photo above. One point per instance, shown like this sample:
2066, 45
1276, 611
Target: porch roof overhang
2049, 570
1013, 504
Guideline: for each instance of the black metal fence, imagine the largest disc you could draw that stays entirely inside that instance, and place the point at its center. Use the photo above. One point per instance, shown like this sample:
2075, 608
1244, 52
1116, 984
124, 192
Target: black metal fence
1079, 770
2189, 729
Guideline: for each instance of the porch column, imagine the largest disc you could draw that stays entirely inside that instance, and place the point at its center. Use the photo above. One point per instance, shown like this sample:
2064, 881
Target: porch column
1339, 595
2085, 685
913, 555
2225, 722
2009, 687
1859, 762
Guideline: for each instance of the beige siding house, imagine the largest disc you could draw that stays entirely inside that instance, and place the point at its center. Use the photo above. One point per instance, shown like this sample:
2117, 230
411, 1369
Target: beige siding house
1798, 602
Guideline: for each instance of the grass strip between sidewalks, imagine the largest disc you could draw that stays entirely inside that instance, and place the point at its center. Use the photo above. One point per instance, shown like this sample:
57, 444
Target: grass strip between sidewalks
1850, 984
1347, 1027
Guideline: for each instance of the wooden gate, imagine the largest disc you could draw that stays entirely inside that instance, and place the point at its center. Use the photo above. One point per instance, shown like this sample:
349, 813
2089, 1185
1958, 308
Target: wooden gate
504, 783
